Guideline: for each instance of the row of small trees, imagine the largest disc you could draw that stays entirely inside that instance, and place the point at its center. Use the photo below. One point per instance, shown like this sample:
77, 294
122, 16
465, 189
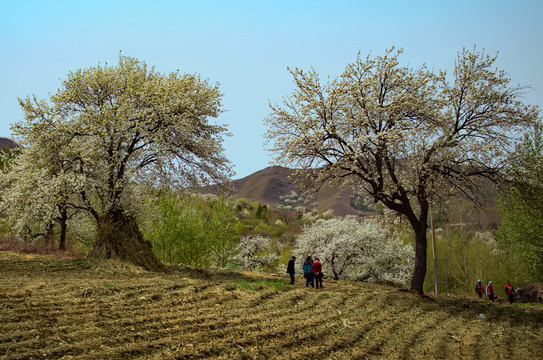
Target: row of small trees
209, 231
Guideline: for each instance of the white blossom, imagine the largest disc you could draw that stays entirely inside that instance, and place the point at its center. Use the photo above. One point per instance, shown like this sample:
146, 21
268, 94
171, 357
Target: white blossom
349, 249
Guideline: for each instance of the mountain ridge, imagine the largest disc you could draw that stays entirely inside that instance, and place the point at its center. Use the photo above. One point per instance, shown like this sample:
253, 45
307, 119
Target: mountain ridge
6, 143
275, 184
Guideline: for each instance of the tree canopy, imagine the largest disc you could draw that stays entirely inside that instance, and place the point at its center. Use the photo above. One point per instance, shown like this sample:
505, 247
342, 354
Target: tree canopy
130, 122
111, 127
401, 134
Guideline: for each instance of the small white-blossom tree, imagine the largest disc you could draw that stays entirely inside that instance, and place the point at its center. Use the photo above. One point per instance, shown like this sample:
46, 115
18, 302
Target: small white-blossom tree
349, 249
254, 252
41, 187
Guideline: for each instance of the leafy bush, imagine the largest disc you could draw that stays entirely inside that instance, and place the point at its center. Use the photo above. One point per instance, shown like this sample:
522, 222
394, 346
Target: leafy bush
193, 230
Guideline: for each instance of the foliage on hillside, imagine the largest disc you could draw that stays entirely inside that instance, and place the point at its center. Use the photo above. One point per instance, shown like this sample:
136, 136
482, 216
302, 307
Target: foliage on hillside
276, 186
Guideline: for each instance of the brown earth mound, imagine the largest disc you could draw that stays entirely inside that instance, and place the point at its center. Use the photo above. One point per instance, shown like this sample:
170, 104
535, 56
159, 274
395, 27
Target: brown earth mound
530, 294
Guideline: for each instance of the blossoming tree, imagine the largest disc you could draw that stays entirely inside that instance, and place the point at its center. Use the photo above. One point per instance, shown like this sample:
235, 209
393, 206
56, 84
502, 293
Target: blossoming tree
128, 124
400, 133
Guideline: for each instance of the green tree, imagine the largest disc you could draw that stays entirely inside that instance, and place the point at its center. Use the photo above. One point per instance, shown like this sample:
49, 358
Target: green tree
130, 124
177, 229
223, 231
193, 229
400, 134
520, 234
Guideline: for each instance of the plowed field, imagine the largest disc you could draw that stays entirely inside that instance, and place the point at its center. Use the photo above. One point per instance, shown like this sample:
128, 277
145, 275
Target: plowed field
78, 309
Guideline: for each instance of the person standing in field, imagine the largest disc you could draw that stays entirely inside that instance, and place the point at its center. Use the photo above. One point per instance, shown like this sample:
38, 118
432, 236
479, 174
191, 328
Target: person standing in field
290, 269
479, 288
317, 272
308, 271
490, 291
509, 291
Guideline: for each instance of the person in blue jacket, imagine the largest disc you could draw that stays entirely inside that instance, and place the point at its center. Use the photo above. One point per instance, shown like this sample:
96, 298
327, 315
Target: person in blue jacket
308, 271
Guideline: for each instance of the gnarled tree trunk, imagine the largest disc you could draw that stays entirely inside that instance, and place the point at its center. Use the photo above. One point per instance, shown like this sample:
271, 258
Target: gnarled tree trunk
118, 236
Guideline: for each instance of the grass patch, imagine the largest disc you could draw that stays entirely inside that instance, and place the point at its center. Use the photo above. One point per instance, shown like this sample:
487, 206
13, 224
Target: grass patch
274, 285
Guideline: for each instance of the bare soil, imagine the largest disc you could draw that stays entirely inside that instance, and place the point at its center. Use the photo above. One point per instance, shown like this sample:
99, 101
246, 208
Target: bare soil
90, 309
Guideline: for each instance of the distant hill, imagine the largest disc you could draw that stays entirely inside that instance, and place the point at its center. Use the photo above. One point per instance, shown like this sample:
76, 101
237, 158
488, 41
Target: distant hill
6, 143
272, 185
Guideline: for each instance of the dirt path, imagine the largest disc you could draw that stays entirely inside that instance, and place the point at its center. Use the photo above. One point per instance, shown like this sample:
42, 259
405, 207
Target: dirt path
77, 309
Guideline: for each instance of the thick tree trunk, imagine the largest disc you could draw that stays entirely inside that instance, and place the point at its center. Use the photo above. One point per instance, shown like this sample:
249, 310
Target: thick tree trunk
419, 273
119, 237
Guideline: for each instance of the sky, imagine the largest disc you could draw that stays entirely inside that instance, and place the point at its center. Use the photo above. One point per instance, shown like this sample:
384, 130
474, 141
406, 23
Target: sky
246, 47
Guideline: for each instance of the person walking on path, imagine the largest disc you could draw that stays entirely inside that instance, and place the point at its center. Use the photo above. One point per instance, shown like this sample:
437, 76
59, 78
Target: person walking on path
479, 288
317, 272
509, 291
308, 271
290, 269
490, 291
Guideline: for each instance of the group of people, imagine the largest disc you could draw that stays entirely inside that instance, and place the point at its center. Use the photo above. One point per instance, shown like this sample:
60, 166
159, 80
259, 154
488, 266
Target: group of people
489, 290
313, 277
312, 271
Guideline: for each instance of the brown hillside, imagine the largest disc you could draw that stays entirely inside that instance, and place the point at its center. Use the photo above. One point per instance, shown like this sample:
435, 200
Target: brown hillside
6, 143
270, 184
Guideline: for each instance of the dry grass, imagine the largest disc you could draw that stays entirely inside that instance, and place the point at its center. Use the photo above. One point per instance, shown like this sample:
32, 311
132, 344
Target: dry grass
10, 244
83, 309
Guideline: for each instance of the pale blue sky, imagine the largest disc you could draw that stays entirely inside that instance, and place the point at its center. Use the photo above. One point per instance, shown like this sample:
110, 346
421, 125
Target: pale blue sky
246, 46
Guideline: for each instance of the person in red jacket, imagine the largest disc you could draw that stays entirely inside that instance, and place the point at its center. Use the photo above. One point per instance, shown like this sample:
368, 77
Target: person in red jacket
509, 291
317, 271
490, 291
479, 288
